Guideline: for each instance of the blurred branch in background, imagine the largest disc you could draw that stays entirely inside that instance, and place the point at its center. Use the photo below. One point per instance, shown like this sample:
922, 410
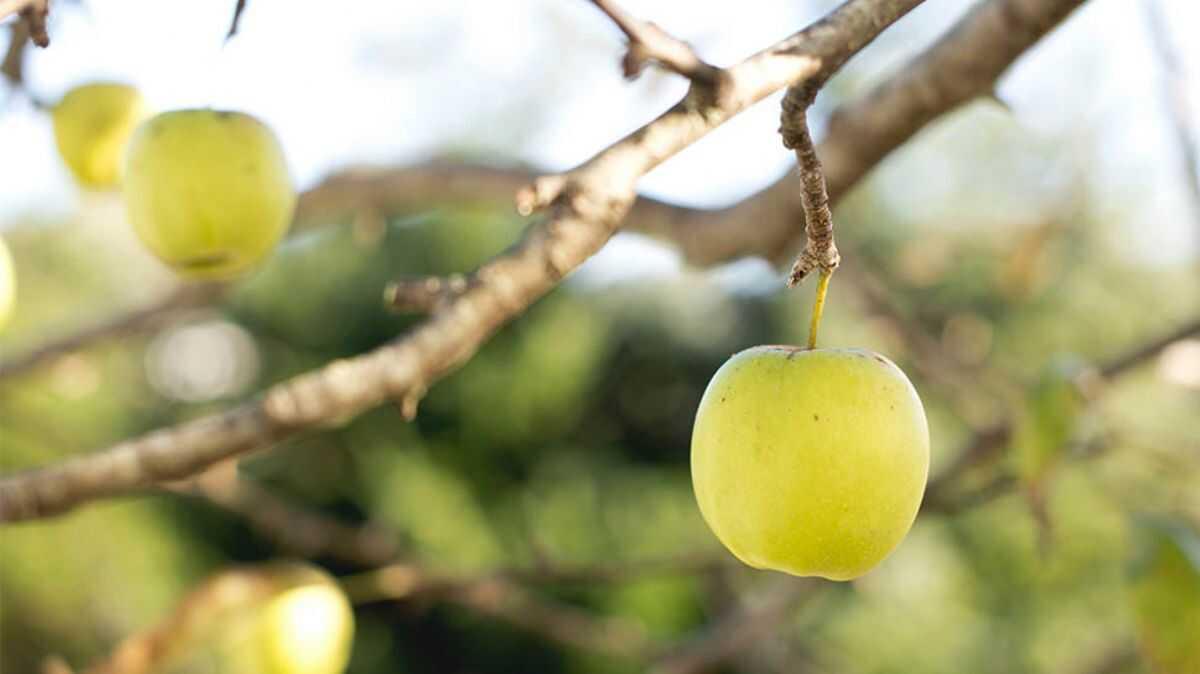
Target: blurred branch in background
735, 632
989, 443
962, 65
584, 209
238, 9
1175, 94
297, 530
33, 14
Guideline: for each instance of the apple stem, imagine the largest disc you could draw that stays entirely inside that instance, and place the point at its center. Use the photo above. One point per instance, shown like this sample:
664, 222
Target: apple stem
818, 306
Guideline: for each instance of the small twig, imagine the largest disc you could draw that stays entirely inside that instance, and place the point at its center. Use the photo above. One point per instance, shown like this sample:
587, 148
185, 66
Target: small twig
135, 321
298, 530
738, 630
33, 14
425, 294
820, 251
237, 17
648, 42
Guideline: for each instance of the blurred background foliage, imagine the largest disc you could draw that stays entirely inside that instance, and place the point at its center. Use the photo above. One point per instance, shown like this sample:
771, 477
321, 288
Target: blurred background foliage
566, 437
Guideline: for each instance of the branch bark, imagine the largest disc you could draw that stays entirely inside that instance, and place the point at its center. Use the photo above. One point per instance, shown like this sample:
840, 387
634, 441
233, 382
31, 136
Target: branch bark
584, 209
963, 65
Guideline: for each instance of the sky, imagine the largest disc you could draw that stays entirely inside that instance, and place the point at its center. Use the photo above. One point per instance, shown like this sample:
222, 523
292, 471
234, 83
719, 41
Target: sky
392, 83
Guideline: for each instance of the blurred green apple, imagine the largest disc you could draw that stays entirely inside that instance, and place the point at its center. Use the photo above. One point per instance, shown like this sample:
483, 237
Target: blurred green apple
8, 285
811, 462
92, 124
1165, 597
279, 618
208, 191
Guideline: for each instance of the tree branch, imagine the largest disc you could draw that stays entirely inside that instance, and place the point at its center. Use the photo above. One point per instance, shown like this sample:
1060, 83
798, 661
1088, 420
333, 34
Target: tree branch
297, 530
820, 251
584, 209
962, 65
237, 18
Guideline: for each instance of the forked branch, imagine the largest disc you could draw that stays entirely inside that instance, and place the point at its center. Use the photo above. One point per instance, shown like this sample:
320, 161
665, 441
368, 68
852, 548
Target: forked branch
584, 208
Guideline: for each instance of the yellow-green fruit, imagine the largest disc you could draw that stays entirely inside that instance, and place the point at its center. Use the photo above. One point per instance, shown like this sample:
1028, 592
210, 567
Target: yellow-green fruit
811, 462
282, 618
1165, 594
8, 285
92, 124
208, 191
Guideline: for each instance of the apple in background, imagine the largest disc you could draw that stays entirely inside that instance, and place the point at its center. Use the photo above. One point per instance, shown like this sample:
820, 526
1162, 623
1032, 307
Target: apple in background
8, 285
810, 461
208, 191
92, 124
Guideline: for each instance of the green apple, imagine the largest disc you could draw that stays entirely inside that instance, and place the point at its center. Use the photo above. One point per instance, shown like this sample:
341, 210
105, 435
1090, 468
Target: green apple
1165, 597
8, 285
810, 461
92, 124
280, 618
208, 191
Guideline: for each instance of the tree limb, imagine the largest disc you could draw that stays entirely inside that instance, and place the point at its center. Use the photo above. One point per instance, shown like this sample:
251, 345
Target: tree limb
962, 65
584, 208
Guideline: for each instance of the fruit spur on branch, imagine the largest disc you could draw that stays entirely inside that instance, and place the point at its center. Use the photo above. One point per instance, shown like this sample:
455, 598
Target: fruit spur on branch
804, 460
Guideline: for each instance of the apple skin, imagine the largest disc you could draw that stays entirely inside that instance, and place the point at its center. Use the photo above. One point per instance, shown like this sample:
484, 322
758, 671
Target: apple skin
92, 124
208, 191
8, 285
810, 462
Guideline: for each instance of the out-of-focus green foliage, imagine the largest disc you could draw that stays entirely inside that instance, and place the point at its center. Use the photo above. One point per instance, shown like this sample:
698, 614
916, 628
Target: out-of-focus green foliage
566, 437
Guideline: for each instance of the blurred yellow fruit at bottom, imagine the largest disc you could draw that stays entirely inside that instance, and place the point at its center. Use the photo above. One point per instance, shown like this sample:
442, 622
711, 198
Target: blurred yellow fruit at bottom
92, 125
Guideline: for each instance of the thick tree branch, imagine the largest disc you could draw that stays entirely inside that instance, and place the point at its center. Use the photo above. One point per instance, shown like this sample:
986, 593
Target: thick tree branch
584, 208
237, 19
